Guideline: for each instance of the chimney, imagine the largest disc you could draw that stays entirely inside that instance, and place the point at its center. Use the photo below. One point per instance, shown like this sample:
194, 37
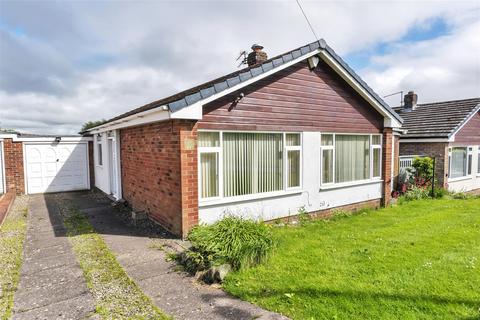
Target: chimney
410, 101
256, 56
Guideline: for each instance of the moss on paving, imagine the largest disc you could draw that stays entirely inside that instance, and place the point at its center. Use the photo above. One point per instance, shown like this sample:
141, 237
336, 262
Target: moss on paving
116, 295
419, 260
12, 236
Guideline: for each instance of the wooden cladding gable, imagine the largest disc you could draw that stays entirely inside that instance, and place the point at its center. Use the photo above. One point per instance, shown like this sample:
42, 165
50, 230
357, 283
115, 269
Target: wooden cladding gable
470, 133
295, 99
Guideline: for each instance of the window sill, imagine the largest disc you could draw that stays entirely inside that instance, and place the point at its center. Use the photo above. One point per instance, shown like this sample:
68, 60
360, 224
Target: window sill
349, 184
258, 196
460, 179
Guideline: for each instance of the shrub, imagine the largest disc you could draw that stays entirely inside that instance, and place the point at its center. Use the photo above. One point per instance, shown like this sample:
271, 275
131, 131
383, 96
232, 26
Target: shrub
240, 242
417, 193
439, 193
422, 170
460, 195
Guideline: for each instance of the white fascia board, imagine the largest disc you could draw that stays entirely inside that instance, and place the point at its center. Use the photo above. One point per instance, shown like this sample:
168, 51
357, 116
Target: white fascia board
192, 112
153, 115
389, 120
7, 136
424, 140
52, 139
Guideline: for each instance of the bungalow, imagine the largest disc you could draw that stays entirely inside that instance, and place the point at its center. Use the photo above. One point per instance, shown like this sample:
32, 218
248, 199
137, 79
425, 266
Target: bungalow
300, 131
449, 131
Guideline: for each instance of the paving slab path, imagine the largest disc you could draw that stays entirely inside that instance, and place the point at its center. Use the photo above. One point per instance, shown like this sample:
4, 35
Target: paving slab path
176, 293
51, 284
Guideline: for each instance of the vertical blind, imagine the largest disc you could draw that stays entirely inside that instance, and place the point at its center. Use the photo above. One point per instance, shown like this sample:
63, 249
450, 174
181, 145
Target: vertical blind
252, 163
352, 158
458, 166
209, 174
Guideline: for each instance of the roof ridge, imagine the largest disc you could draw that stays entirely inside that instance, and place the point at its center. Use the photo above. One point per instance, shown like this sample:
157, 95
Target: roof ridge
447, 101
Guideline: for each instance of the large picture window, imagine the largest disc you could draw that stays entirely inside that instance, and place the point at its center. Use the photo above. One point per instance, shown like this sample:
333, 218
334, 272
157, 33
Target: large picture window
460, 159
242, 163
348, 158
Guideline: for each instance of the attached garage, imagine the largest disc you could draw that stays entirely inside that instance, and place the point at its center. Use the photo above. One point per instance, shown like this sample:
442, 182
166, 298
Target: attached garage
51, 167
41, 163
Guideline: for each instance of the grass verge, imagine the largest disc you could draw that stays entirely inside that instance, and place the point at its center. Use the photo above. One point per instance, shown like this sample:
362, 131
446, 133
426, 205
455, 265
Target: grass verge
116, 295
12, 236
420, 260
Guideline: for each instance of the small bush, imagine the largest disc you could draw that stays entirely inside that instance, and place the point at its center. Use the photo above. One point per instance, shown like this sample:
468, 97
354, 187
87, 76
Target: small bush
303, 216
416, 193
460, 195
240, 242
439, 193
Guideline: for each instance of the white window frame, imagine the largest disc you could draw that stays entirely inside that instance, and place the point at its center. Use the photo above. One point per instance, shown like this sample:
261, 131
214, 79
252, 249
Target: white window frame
372, 147
332, 147
218, 151
286, 149
324, 148
221, 198
469, 155
469, 161
478, 160
99, 149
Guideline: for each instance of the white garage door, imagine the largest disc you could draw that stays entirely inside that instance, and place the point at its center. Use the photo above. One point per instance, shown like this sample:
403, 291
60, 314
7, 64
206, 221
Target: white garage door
56, 167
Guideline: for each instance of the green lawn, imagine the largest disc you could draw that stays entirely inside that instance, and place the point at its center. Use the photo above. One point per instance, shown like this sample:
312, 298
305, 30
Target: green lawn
419, 260
12, 235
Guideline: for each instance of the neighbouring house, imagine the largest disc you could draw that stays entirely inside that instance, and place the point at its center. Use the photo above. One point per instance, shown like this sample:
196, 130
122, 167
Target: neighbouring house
448, 131
300, 130
31, 163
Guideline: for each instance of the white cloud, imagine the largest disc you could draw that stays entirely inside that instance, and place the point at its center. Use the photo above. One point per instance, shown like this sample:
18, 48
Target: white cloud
444, 68
108, 58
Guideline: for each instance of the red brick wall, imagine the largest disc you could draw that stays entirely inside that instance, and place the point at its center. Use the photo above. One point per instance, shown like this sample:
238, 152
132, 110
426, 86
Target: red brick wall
387, 165
326, 213
439, 150
159, 172
14, 174
396, 162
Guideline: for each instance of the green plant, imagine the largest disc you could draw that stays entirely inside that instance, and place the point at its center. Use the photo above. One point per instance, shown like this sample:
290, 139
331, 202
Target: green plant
439, 193
416, 193
460, 195
422, 168
240, 242
303, 216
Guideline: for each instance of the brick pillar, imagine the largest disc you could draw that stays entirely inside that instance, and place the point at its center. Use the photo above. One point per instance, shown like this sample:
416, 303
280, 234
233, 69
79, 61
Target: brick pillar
14, 175
387, 165
396, 161
189, 174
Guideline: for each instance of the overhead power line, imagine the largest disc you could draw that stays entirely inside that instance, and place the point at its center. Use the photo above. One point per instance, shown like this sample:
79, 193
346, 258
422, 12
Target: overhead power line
306, 18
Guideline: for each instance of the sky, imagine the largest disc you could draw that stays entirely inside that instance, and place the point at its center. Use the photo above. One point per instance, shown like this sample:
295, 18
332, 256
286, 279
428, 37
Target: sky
63, 63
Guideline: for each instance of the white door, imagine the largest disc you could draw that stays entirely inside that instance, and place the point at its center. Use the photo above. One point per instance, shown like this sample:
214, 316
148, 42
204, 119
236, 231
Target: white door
2, 183
112, 165
56, 167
